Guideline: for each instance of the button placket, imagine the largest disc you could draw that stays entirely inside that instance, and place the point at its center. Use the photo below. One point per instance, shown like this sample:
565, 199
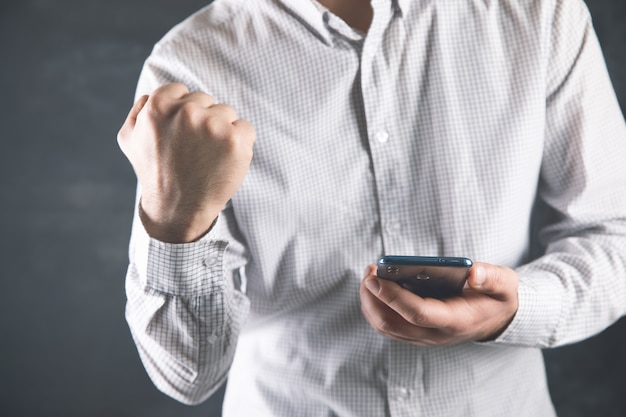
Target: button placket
374, 92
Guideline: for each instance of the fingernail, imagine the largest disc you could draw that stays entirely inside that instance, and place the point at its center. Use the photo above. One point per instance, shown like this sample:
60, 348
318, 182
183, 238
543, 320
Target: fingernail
480, 277
372, 285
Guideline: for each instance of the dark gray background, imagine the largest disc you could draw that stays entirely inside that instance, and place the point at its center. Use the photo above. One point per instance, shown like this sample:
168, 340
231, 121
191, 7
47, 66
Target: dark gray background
67, 75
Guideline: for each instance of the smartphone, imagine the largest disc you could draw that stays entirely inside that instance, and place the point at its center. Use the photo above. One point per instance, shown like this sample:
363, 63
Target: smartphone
426, 276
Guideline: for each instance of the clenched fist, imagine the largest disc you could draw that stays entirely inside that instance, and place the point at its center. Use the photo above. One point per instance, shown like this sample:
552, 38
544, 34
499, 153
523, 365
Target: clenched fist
190, 156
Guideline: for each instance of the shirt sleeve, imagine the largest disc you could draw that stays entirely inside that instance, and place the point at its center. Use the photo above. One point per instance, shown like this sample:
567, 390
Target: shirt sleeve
578, 287
184, 314
184, 307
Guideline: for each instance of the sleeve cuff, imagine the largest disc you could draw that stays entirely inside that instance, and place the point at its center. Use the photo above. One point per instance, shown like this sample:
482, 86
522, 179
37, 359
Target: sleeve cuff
540, 303
185, 269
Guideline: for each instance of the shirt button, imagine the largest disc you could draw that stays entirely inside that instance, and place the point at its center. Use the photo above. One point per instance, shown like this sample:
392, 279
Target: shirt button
403, 393
392, 226
210, 261
381, 136
212, 338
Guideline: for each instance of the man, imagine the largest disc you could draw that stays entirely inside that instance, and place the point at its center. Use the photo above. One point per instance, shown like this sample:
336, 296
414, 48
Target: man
397, 127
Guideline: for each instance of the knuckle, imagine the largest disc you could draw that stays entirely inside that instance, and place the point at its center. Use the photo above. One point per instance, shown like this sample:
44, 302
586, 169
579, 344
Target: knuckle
408, 311
383, 326
389, 294
188, 110
241, 135
415, 318
158, 98
503, 281
179, 85
497, 278
217, 128
207, 96
160, 105
171, 88
244, 132
225, 109
157, 106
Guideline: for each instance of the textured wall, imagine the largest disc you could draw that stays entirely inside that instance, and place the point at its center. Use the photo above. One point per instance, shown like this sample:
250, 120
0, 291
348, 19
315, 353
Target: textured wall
67, 74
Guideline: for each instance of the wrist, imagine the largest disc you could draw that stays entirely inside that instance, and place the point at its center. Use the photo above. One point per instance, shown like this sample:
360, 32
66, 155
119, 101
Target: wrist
177, 226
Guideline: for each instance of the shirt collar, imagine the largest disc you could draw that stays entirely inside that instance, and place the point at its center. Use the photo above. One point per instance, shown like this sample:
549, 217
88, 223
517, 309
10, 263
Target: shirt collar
401, 5
313, 14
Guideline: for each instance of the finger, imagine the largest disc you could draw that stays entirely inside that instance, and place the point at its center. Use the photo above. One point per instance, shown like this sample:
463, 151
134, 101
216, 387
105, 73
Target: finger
245, 129
202, 99
166, 99
380, 316
388, 322
223, 112
131, 119
497, 281
135, 110
423, 312
171, 90
370, 270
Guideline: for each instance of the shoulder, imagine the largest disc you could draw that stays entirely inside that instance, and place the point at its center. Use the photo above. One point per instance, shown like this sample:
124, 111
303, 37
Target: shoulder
206, 50
219, 18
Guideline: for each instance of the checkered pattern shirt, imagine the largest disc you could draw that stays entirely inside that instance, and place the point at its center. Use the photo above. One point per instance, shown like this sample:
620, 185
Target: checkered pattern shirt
477, 128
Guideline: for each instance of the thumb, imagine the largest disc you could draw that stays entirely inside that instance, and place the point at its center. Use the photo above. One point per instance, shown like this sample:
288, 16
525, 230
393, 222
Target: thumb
131, 119
369, 270
492, 279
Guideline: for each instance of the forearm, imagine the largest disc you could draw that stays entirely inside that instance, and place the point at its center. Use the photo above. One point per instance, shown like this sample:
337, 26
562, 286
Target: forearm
184, 315
575, 291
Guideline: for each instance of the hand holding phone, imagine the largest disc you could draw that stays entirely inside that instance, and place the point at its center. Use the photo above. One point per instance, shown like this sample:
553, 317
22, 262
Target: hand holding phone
426, 276
481, 313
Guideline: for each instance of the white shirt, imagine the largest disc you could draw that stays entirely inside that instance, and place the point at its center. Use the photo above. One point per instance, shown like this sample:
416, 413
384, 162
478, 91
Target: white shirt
432, 135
